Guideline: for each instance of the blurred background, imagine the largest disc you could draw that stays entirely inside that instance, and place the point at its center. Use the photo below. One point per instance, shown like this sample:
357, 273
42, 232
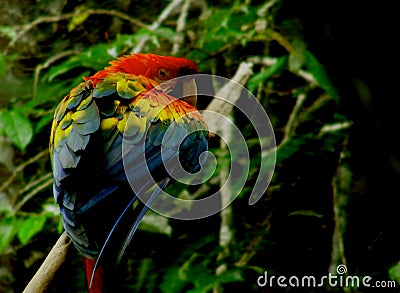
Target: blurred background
321, 71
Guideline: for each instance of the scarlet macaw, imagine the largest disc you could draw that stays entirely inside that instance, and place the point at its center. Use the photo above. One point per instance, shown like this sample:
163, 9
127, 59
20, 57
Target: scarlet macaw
119, 104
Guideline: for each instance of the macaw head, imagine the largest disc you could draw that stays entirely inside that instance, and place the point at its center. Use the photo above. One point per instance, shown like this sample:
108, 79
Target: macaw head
156, 67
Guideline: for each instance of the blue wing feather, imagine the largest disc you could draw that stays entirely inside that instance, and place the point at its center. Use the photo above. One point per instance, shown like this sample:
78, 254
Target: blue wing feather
91, 170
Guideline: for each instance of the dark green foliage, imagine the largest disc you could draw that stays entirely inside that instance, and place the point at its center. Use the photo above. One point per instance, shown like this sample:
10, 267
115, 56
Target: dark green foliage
17, 127
310, 209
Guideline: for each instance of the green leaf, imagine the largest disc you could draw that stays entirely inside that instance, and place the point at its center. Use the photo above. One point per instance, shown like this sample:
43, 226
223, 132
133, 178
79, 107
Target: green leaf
297, 56
270, 71
292, 146
80, 16
145, 268
191, 269
154, 223
2, 66
60, 226
6, 229
166, 33
63, 67
394, 272
94, 57
259, 270
307, 213
230, 276
204, 286
320, 75
9, 225
217, 19
5, 205
227, 26
8, 31
17, 127
217, 32
171, 282
197, 273
31, 226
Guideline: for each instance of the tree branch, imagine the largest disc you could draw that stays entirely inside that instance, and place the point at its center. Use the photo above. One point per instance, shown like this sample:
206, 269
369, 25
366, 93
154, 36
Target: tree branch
156, 24
47, 271
228, 93
290, 126
181, 26
341, 183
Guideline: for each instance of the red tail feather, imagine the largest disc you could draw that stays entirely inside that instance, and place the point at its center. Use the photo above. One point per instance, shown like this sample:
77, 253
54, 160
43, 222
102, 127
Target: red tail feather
98, 279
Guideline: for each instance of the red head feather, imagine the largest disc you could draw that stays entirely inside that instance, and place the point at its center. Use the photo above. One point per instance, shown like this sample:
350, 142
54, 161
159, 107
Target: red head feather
156, 67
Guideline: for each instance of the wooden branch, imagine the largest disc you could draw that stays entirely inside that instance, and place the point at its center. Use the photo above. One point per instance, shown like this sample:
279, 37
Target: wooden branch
180, 27
341, 183
47, 271
226, 230
230, 92
156, 24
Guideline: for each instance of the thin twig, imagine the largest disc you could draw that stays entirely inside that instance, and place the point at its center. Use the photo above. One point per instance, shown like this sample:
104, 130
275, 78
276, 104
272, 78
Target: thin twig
330, 128
316, 105
181, 26
48, 180
281, 40
265, 60
156, 24
22, 167
264, 9
251, 249
290, 126
33, 24
118, 14
50, 19
34, 183
46, 64
250, 252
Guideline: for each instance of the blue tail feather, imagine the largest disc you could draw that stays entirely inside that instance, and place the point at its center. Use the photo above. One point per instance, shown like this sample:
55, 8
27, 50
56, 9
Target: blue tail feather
133, 228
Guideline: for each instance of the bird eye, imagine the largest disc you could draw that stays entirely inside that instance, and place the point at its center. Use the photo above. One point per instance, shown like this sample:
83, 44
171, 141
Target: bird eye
163, 73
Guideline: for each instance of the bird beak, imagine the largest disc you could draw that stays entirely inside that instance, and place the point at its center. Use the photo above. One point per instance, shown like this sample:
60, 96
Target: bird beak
189, 93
